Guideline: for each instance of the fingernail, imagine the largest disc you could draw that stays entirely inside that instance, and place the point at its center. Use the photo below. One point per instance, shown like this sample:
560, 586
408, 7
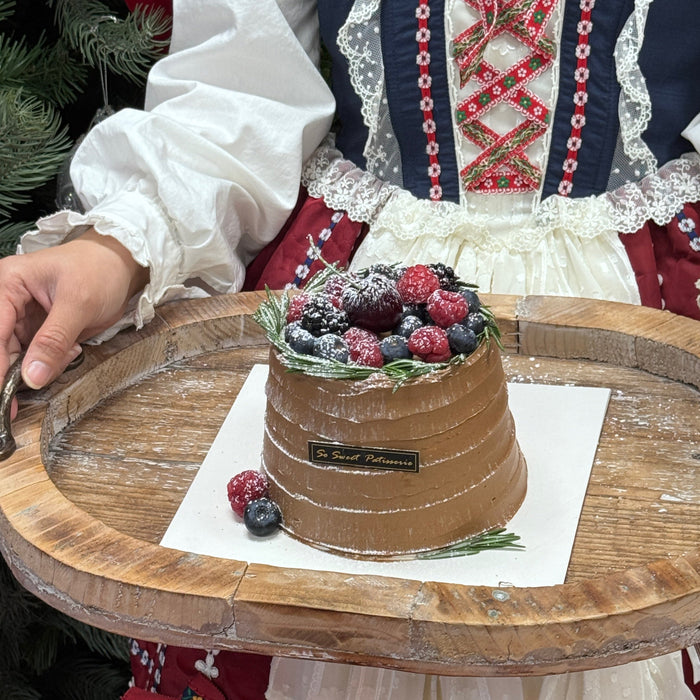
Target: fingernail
37, 374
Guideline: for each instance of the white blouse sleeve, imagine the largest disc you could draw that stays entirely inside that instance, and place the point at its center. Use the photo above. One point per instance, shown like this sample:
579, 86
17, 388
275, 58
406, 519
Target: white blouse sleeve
692, 133
197, 183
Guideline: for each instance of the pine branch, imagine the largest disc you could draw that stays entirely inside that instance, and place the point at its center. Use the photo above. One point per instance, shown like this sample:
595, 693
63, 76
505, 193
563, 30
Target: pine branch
9, 238
32, 147
126, 47
47, 71
7, 9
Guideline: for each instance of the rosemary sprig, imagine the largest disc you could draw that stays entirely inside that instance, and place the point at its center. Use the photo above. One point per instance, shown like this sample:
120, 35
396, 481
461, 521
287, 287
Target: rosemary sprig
493, 539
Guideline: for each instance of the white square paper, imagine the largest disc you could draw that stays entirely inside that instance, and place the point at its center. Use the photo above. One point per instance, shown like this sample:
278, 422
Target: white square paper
558, 428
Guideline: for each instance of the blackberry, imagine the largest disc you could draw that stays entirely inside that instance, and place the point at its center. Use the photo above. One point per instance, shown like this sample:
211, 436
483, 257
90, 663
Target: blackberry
320, 316
463, 341
408, 325
331, 347
446, 275
394, 347
298, 338
472, 299
388, 271
475, 322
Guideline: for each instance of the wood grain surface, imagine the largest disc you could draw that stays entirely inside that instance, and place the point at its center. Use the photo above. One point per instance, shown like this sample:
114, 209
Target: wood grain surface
106, 454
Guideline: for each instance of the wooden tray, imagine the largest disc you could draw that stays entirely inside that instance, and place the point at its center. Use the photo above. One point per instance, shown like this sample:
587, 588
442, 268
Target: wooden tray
106, 454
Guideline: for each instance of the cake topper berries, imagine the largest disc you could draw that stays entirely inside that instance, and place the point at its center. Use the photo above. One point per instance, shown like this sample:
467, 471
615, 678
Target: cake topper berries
401, 321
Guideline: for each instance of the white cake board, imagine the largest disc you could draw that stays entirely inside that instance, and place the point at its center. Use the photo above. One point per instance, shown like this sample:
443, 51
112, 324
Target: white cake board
558, 428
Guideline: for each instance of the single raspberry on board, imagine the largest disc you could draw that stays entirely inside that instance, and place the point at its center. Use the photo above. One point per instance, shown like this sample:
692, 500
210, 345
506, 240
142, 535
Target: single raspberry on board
430, 343
296, 307
447, 308
417, 283
244, 488
363, 346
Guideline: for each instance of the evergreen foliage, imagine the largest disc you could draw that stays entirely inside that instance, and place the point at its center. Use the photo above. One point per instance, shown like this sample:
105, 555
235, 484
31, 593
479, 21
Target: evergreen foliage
56, 57
49, 656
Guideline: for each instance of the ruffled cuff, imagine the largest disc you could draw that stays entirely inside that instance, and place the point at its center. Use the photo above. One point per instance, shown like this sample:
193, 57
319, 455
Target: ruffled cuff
121, 217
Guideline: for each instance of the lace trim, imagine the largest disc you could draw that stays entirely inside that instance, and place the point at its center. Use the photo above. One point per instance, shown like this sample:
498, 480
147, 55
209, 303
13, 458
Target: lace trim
343, 186
635, 103
346, 187
657, 197
359, 40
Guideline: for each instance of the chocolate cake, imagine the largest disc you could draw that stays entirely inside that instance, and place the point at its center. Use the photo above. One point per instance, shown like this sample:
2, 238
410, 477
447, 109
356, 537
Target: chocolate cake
371, 467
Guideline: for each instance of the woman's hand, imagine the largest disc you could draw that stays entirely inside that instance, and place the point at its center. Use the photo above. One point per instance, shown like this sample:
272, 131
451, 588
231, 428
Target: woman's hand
52, 299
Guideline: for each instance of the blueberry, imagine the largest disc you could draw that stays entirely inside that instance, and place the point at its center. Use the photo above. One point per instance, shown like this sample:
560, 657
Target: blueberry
394, 347
462, 339
475, 322
408, 325
262, 516
331, 347
299, 339
472, 299
418, 310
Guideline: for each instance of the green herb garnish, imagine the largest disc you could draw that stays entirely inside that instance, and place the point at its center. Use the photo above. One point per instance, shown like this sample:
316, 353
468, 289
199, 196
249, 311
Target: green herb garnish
494, 539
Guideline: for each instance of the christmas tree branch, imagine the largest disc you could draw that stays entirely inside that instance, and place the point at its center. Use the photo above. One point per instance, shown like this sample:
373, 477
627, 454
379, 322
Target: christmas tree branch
32, 146
126, 47
47, 71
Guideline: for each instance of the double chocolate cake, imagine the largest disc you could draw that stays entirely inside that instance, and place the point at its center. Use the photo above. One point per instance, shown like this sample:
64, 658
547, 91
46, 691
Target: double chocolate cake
372, 455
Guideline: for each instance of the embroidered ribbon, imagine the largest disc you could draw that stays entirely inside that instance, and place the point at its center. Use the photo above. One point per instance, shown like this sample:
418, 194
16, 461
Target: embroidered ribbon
503, 166
578, 119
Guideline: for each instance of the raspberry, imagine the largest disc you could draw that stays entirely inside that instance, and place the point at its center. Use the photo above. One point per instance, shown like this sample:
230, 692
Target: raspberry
296, 307
430, 343
417, 283
334, 286
446, 308
244, 488
364, 347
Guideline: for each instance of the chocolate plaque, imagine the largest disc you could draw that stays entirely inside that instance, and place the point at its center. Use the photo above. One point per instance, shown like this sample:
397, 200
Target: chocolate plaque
364, 457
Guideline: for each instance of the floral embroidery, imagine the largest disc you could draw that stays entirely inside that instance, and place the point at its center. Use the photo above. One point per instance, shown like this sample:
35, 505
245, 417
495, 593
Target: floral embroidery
687, 226
154, 666
206, 667
502, 165
302, 271
426, 102
581, 75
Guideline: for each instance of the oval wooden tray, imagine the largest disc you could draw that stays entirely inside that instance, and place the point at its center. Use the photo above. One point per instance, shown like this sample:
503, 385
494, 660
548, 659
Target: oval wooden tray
105, 455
